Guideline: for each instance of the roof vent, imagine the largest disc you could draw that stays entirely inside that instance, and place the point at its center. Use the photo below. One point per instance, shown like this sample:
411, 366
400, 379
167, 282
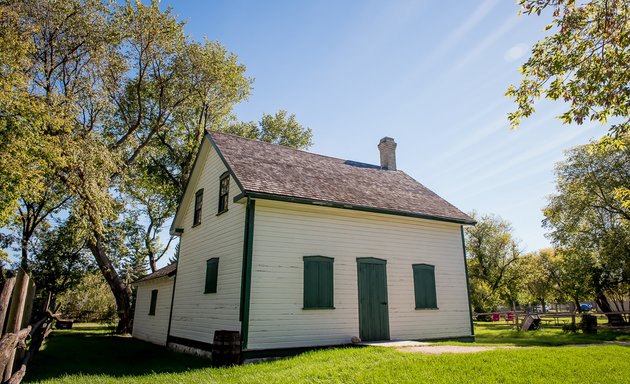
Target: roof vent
387, 146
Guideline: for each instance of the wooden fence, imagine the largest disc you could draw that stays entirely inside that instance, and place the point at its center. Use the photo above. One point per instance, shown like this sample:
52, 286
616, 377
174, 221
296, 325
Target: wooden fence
16, 307
551, 319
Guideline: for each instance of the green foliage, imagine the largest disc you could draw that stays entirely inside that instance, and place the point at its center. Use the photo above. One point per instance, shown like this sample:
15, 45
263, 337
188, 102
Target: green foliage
570, 271
59, 260
583, 62
281, 128
111, 100
586, 219
90, 300
534, 273
491, 251
29, 125
103, 107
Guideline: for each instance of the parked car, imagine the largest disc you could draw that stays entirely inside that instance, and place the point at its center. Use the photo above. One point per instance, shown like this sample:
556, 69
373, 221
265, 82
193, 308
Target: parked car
585, 307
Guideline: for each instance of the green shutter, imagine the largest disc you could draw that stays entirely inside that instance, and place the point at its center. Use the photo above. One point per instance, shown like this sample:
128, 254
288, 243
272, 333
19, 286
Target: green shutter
212, 273
318, 282
154, 294
424, 286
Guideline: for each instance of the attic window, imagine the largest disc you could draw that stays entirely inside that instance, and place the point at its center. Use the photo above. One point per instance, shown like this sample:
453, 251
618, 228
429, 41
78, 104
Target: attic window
224, 191
198, 204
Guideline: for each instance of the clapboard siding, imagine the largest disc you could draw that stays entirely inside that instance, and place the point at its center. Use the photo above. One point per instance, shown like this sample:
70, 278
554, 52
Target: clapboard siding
285, 232
153, 328
197, 315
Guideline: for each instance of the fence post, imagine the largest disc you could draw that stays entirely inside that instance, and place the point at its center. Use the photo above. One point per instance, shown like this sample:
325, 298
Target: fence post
16, 314
5, 296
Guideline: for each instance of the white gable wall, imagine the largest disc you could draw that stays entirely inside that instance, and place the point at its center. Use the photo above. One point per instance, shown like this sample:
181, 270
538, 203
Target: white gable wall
197, 315
285, 232
153, 328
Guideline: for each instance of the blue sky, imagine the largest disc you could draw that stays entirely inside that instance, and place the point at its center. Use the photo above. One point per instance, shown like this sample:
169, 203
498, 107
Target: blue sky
431, 74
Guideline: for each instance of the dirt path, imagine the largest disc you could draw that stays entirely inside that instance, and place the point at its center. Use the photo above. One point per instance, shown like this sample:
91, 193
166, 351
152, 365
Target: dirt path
439, 349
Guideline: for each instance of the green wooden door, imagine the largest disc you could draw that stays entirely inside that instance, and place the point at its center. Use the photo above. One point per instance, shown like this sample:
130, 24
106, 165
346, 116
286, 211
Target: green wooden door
373, 313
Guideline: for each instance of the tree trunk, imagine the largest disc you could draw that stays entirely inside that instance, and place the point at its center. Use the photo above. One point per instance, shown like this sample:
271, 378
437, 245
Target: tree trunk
152, 263
118, 287
24, 259
604, 305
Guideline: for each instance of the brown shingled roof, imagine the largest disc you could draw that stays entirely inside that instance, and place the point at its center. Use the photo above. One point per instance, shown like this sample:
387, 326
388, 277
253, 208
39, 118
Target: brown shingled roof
276, 170
169, 270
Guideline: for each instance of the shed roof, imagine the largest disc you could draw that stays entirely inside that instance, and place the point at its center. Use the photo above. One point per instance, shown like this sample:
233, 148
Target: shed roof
169, 270
268, 170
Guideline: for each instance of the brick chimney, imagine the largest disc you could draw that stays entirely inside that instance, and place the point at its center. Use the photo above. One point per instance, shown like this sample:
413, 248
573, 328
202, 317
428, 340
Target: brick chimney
387, 146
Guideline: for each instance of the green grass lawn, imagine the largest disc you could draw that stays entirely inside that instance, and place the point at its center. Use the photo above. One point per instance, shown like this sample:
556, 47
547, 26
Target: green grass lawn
491, 334
91, 355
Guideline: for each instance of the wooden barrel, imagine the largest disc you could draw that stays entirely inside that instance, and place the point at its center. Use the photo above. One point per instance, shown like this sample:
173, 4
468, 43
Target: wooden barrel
226, 348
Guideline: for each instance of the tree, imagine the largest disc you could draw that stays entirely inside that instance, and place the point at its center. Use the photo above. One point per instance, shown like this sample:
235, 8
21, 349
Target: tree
30, 125
90, 300
491, 251
584, 62
586, 218
535, 276
571, 272
113, 101
109, 78
281, 128
59, 260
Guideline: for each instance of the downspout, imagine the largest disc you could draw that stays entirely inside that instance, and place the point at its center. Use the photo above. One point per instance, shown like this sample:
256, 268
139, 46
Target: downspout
170, 314
246, 275
472, 326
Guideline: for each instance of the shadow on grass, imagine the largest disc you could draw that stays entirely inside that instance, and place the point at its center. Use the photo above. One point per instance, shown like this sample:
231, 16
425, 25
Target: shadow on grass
97, 352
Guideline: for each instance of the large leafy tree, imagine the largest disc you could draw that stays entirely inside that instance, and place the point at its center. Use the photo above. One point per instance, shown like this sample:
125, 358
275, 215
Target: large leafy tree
32, 120
585, 62
585, 216
491, 252
570, 271
534, 277
59, 260
112, 77
112, 102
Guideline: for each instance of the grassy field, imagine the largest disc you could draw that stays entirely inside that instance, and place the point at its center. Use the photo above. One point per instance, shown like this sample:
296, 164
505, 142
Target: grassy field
90, 355
492, 334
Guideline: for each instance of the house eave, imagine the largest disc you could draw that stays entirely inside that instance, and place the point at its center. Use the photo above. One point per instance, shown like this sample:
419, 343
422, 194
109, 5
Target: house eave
176, 230
302, 200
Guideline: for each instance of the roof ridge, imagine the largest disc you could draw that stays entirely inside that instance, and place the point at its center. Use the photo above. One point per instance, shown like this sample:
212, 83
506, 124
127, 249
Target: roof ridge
277, 170
290, 148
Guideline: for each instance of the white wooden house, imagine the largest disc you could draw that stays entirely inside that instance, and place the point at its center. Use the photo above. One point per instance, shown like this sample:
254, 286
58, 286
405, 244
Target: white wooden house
296, 250
154, 294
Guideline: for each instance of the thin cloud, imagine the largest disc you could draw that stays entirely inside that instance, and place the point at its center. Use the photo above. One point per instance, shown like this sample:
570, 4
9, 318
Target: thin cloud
509, 166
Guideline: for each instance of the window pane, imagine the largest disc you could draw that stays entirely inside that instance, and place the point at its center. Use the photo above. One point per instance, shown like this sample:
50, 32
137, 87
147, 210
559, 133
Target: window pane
154, 294
224, 190
198, 205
